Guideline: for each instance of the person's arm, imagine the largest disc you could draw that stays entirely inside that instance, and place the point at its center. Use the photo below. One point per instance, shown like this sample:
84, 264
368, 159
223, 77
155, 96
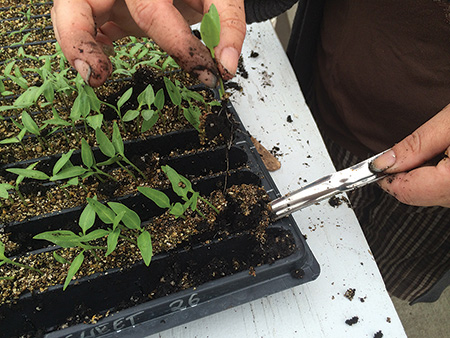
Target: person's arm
414, 182
85, 30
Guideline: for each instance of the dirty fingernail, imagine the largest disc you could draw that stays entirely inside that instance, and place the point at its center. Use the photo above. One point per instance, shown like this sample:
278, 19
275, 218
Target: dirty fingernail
207, 77
383, 162
83, 69
108, 50
229, 58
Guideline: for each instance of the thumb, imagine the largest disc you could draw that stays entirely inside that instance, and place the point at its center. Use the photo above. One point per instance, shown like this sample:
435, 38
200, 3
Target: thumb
232, 34
76, 33
428, 141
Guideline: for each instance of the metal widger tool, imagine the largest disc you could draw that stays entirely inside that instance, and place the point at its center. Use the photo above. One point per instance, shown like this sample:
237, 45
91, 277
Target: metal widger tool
348, 179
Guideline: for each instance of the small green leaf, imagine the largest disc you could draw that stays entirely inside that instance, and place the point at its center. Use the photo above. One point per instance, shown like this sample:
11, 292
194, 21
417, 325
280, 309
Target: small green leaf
147, 96
104, 213
159, 99
59, 258
193, 200
124, 98
192, 114
130, 115
63, 238
95, 121
74, 267
148, 124
160, 198
180, 185
2, 251
29, 124
105, 145
93, 235
112, 241
87, 218
87, 156
144, 243
94, 102
174, 91
68, 173
117, 141
4, 187
147, 114
178, 209
210, 28
130, 218
16, 139
29, 173
117, 219
62, 162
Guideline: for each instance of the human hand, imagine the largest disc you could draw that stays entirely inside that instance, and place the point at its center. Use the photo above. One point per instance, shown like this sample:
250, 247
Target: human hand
413, 182
85, 30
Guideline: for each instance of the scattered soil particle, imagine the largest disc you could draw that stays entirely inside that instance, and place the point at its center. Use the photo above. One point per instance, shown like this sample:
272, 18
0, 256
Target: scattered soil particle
349, 294
289, 119
388, 319
379, 334
254, 54
335, 201
352, 320
241, 68
233, 85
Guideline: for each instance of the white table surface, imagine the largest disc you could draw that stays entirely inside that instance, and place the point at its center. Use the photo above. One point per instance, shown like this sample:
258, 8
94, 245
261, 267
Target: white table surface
319, 308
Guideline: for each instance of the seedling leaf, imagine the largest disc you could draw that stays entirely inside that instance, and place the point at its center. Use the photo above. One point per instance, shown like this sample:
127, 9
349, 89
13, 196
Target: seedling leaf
29, 123
63, 238
105, 145
147, 124
124, 98
130, 115
144, 243
93, 235
159, 99
95, 121
87, 156
104, 213
130, 218
117, 141
74, 267
87, 218
62, 162
29, 173
174, 92
68, 173
112, 241
210, 28
4, 187
59, 258
160, 198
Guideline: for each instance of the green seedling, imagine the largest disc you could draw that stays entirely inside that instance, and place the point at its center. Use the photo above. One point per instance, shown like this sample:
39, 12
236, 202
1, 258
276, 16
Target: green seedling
6, 260
115, 150
68, 239
122, 222
28, 172
183, 188
146, 117
177, 94
4, 192
210, 32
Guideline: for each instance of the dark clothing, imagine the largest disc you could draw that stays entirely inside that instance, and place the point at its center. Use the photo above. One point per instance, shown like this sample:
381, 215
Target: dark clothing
372, 72
383, 69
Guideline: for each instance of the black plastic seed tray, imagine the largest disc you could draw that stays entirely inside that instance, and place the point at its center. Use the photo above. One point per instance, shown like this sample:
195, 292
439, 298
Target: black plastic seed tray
104, 293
